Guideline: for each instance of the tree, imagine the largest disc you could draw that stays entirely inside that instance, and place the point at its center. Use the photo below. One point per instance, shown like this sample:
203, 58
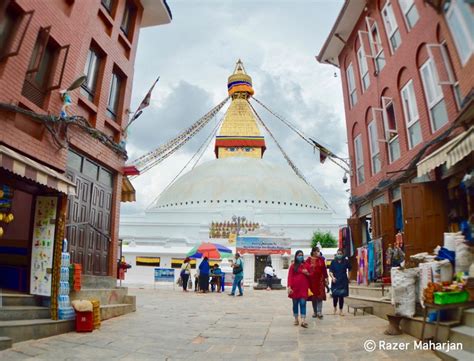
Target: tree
326, 239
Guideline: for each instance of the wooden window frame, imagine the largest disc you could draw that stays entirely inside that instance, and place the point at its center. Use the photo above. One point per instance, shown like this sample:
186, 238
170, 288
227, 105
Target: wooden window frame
22, 19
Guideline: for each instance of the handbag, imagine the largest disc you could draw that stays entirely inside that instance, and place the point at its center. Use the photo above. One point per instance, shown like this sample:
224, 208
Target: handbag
180, 282
310, 293
190, 283
237, 269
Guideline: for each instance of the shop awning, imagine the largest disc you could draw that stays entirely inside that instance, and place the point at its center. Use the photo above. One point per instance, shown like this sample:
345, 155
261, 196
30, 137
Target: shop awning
438, 157
462, 148
128, 192
28, 168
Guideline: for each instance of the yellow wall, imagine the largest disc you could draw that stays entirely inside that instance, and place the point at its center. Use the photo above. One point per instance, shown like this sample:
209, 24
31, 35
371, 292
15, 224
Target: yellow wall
239, 152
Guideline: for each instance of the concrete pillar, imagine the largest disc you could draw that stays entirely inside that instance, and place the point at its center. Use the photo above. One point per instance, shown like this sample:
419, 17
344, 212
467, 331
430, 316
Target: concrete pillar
277, 263
249, 269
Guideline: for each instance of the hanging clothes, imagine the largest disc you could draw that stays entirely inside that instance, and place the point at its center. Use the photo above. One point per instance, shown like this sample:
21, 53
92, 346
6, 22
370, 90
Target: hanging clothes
371, 259
362, 277
346, 242
378, 254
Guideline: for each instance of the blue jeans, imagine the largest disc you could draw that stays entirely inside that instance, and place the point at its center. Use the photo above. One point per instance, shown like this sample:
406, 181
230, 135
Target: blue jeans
237, 283
301, 302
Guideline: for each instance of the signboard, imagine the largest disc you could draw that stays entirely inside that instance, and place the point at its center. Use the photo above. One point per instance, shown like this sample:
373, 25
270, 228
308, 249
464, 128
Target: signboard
43, 245
164, 275
263, 245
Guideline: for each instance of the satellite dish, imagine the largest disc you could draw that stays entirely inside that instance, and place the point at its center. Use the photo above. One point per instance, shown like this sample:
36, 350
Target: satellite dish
77, 83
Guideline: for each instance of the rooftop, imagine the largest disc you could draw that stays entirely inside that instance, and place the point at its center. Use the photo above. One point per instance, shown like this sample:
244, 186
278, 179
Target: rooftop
156, 12
340, 32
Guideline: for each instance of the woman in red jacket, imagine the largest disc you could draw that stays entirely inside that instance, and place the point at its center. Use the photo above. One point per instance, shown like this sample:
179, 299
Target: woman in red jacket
298, 285
318, 280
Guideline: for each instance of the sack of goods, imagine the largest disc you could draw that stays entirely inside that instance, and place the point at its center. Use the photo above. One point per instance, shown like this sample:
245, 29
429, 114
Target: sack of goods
404, 290
82, 305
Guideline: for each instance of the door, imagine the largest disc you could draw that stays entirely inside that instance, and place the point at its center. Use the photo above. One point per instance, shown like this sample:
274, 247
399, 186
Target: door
101, 204
260, 263
356, 230
424, 216
77, 231
89, 221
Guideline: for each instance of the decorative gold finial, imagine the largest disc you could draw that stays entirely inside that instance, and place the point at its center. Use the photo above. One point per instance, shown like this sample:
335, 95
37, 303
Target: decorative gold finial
239, 83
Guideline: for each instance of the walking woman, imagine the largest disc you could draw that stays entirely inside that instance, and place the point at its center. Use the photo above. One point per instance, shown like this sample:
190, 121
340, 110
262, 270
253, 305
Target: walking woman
318, 280
339, 280
204, 275
298, 285
185, 273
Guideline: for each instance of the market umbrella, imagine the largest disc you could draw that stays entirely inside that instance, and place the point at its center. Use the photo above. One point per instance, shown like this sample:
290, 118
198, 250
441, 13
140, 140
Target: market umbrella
210, 250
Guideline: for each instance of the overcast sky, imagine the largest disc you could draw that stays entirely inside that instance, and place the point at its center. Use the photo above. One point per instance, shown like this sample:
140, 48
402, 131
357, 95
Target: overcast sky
277, 41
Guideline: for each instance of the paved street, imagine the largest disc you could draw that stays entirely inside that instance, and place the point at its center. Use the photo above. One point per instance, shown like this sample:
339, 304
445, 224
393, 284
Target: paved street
170, 325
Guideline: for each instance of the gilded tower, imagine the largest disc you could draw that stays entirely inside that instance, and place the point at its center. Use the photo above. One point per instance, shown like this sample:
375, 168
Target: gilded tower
239, 135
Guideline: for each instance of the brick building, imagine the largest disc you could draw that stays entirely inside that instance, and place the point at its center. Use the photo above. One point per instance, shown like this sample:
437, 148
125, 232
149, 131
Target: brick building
63, 176
407, 75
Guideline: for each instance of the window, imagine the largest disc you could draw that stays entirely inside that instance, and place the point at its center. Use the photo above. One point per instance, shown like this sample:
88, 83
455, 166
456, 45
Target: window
147, 261
91, 71
434, 95
359, 159
374, 147
363, 68
178, 262
391, 131
378, 52
14, 23
127, 20
412, 118
41, 63
114, 96
391, 27
409, 12
41, 76
7, 29
351, 87
108, 5
460, 21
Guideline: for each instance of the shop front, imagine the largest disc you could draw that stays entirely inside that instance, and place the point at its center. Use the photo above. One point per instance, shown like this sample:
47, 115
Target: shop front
33, 201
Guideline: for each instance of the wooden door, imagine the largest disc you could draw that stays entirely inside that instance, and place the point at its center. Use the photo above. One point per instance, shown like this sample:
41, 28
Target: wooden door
77, 231
101, 206
88, 224
424, 216
356, 230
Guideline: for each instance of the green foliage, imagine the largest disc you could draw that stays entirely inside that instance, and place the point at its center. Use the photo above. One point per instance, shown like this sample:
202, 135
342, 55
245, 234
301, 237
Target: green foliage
326, 240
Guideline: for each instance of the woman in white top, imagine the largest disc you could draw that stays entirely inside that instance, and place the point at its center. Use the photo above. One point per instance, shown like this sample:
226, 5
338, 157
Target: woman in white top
185, 273
269, 274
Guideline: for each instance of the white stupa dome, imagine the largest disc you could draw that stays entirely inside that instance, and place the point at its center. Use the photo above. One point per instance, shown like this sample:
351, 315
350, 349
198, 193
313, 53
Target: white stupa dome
239, 182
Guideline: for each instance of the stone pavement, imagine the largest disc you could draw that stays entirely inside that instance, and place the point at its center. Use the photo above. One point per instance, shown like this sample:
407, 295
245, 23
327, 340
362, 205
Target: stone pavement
172, 325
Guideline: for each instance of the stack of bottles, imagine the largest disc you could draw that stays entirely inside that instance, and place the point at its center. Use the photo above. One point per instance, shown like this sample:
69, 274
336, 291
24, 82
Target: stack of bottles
65, 311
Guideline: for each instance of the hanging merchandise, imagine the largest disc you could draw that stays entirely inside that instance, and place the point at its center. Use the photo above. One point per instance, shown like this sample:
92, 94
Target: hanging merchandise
6, 203
362, 272
346, 242
378, 255
43, 244
371, 262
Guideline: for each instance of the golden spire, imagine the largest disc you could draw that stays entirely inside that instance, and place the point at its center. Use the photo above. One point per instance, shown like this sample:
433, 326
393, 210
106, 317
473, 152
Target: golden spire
239, 135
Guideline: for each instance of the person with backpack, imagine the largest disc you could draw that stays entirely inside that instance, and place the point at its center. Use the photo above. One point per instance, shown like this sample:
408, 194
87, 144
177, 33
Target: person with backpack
238, 271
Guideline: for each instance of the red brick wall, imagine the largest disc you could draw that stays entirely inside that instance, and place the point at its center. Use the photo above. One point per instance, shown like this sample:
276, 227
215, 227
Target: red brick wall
402, 65
76, 23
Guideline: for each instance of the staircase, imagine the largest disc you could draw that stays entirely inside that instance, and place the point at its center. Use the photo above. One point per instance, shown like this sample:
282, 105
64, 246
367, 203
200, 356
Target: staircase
23, 318
374, 295
114, 301
464, 334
